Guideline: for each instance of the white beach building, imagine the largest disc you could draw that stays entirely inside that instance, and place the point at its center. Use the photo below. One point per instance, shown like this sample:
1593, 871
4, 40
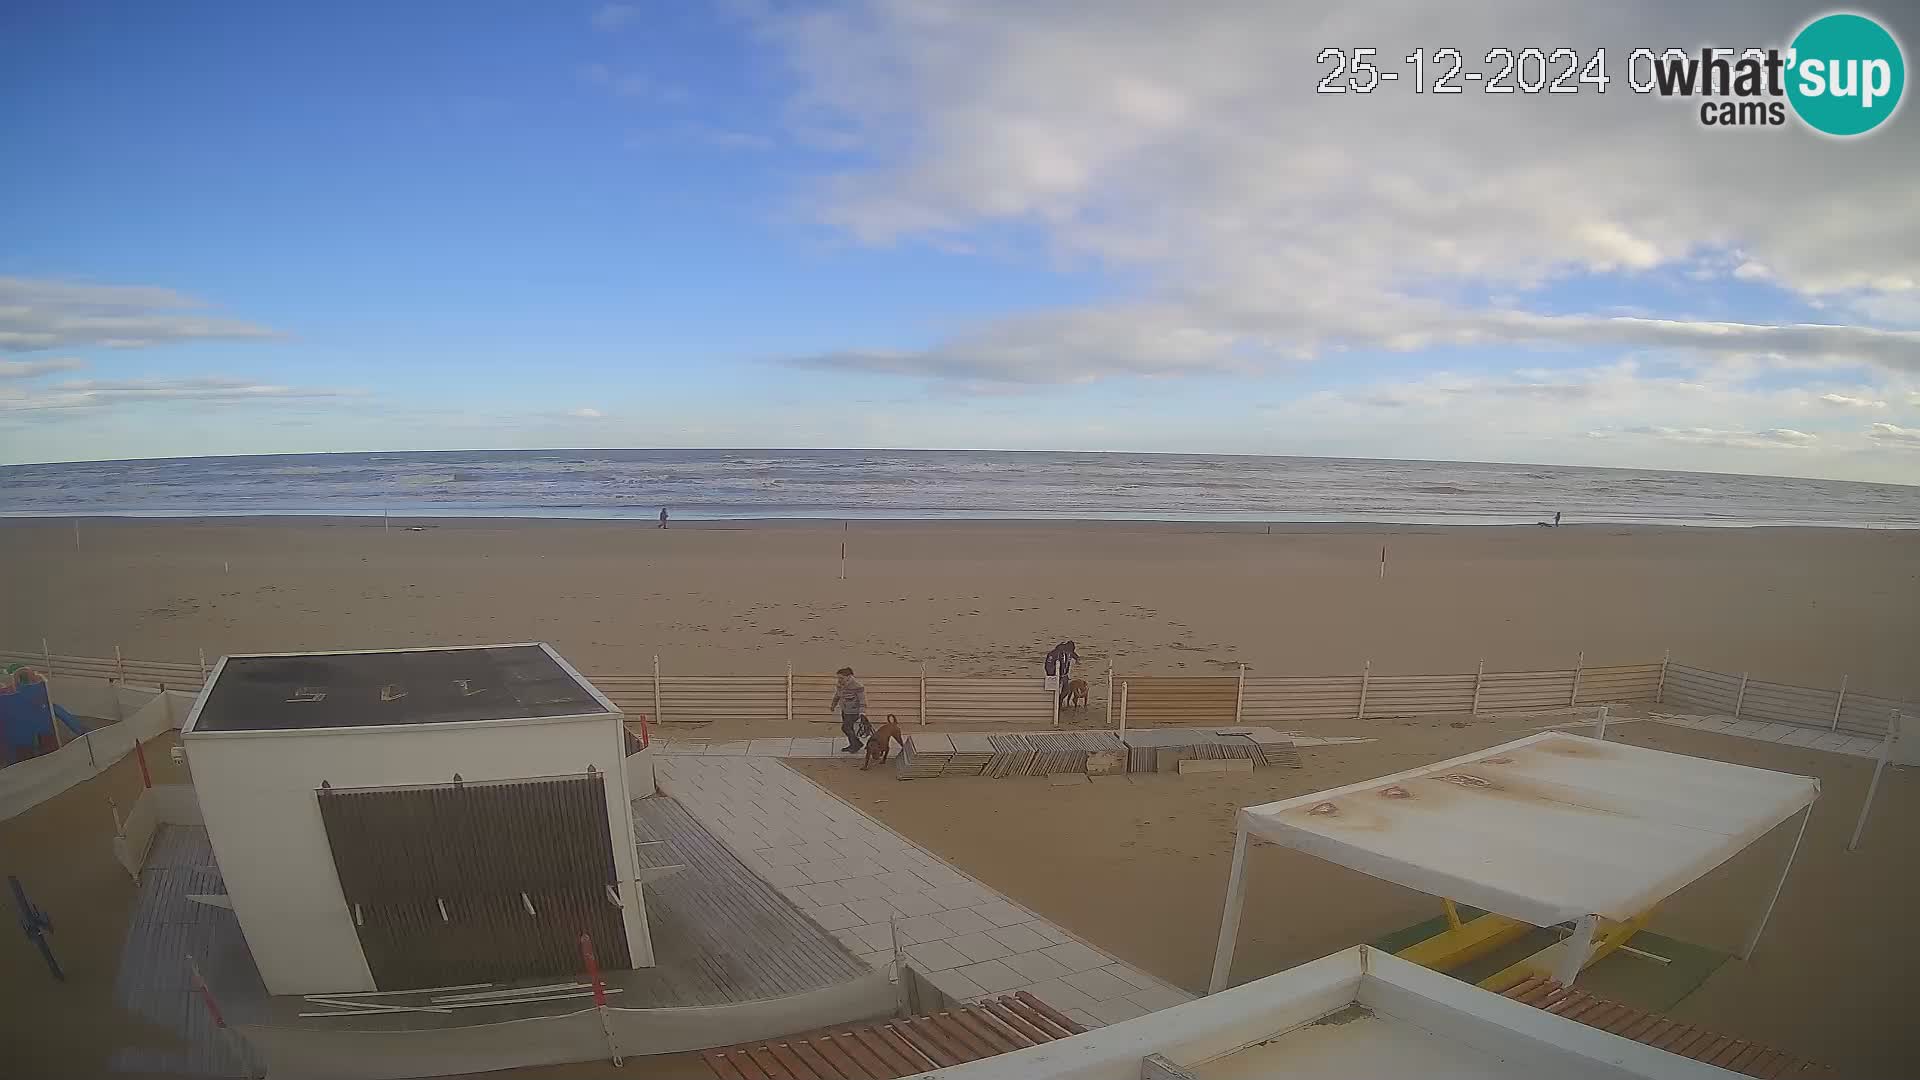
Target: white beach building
422, 817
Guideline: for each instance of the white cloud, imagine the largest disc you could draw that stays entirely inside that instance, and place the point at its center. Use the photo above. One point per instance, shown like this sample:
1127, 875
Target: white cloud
1892, 435
586, 414
28, 369
95, 394
1849, 401
42, 314
1184, 147
614, 16
1773, 439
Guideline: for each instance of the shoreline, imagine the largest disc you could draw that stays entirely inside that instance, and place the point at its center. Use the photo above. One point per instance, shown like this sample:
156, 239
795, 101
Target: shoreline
1268, 525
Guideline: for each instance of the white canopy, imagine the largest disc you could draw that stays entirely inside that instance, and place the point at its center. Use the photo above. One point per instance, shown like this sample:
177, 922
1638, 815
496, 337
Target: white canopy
1546, 829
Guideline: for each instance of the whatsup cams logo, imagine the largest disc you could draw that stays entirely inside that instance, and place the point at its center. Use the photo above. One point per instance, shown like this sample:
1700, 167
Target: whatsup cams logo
1842, 75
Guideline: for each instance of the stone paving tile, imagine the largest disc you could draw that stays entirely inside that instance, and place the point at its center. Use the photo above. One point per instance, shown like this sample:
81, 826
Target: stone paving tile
1077, 956
993, 976
964, 921
1098, 985
1114, 1010
872, 910
866, 884
835, 917
1020, 938
1037, 967
914, 904
936, 956
979, 948
955, 985
1085, 1019
1160, 997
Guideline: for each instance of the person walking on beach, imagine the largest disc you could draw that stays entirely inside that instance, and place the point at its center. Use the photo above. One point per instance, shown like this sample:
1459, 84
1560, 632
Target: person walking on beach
1060, 662
663, 517
850, 698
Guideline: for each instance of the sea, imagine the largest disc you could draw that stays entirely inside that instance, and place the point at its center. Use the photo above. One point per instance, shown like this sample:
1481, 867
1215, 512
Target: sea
936, 484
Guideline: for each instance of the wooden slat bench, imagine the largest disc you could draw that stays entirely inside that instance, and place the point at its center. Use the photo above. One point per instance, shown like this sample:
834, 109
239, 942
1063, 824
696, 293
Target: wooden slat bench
890, 1049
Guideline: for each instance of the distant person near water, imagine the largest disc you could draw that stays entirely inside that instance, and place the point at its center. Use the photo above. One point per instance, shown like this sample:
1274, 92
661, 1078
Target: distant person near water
663, 517
850, 698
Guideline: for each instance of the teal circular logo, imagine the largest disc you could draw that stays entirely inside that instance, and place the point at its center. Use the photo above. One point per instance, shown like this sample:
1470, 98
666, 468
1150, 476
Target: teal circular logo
1846, 75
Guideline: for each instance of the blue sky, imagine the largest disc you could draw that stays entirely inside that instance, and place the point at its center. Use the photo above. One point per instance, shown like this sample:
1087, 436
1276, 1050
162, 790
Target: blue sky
237, 228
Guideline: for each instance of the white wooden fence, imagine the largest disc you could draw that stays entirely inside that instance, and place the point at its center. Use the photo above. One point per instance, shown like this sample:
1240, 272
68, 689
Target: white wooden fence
1252, 699
1745, 698
927, 698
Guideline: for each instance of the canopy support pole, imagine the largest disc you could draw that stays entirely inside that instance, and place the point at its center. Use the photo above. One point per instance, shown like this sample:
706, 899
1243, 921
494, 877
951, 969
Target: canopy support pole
1577, 947
1230, 917
1753, 939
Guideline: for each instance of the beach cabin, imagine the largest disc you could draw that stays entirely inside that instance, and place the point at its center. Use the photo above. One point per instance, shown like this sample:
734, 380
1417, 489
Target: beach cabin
411, 818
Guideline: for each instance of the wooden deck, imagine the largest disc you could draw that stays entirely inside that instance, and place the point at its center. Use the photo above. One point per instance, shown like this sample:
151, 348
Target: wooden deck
720, 933
897, 1048
1726, 1052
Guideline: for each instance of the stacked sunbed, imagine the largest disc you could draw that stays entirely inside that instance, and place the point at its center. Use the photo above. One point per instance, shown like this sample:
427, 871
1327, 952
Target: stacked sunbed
1044, 753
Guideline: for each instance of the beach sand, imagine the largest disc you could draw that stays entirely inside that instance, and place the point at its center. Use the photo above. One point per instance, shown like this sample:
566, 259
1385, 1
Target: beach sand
1138, 867
971, 598
1805, 606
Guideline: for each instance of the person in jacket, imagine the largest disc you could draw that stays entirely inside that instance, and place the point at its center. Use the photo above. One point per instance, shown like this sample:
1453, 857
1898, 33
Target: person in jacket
850, 698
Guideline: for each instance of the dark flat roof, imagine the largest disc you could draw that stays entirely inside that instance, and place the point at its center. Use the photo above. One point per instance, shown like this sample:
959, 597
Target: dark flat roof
377, 689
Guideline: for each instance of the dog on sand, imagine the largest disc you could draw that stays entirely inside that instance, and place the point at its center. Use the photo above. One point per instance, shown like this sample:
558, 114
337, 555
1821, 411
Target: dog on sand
879, 743
1077, 693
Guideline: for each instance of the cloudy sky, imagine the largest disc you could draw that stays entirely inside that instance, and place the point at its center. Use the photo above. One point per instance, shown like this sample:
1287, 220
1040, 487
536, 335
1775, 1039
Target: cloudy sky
938, 223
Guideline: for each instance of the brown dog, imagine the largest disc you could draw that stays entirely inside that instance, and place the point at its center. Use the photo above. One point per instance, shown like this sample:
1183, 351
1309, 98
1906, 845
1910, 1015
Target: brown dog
1077, 693
879, 743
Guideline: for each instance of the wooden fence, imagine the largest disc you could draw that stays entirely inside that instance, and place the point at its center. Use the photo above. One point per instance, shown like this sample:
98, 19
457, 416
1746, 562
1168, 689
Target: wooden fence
1160, 700
1248, 699
1746, 698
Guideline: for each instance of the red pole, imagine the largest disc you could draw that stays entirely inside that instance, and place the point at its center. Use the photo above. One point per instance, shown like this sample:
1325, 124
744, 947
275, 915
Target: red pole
146, 778
646, 736
206, 994
593, 971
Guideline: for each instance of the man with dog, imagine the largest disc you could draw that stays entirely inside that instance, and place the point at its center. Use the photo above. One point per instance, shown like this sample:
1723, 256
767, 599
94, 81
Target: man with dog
850, 698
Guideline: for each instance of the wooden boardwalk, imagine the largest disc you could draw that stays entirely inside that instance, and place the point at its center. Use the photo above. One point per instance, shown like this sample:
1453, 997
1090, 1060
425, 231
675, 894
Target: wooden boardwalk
720, 933
890, 1049
1726, 1052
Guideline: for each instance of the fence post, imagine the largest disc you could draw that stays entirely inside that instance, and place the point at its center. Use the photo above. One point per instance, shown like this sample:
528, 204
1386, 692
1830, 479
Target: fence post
203, 667
1112, 702
1660, 691
1838, 700
1479, 673
1366, 676
1601, 734
789, 691
923, 695
1240, 695
46, 677
1578, 665
658, 716
1873, 786
1741, 698
1123, 711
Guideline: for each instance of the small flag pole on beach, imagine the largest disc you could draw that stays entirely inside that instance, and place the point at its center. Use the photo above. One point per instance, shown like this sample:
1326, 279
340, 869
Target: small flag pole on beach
1383, 562
76, 534
843, 560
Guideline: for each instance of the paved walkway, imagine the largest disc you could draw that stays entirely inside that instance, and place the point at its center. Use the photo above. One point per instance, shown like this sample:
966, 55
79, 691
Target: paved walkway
865, 883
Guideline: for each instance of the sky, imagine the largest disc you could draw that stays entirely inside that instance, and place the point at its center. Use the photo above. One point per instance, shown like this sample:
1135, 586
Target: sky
263, 228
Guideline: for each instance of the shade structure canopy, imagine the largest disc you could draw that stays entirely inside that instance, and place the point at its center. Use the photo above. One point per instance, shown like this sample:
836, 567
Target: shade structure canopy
1546, 829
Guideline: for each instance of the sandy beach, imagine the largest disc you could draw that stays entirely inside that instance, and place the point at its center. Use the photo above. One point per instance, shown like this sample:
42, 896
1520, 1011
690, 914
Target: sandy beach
1791, 605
